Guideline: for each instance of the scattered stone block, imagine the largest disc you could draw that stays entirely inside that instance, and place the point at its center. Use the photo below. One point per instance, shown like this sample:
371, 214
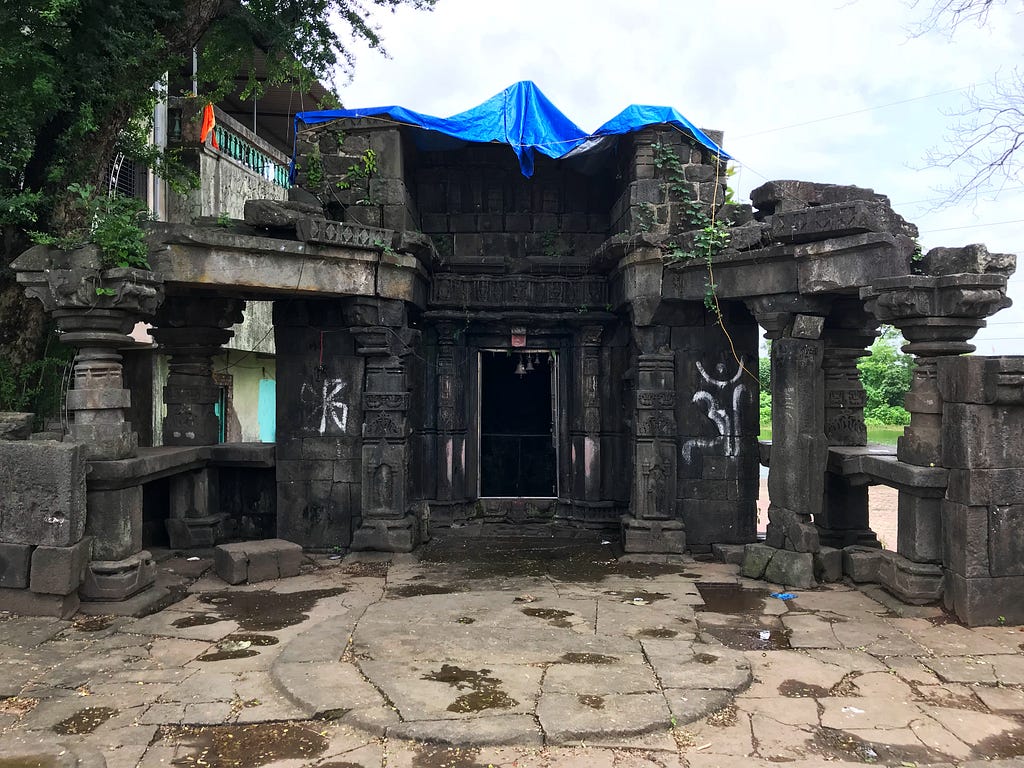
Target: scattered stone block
254, 561
731, 554
28, 603
15, 426
861, 563
755, 559
792, 569
828, 564
42, 493
59, 570
14, 565
115, 580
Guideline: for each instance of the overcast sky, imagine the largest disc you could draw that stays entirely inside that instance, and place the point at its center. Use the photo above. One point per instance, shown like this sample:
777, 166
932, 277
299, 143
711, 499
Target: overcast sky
807, 89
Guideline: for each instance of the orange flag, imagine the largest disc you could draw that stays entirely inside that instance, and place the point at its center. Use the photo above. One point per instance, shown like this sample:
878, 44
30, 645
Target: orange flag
208, 122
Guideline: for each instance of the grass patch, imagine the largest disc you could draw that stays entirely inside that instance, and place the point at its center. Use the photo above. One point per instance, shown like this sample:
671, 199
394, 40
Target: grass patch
885, 435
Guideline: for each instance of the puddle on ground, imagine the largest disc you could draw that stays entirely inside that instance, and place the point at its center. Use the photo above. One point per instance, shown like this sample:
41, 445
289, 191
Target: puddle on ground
640, 597
265, 611
705, 658
437, 756
252, 639
243, 746
483, 690
554, 617
198, 620
795, 689
749, 638
657, 632
238, 646
465, 620
594, 702
92, 623
332, 714
228, 655
366, 570
730, 598
569, 561
86, 721
416, 590
588, 658
839, 745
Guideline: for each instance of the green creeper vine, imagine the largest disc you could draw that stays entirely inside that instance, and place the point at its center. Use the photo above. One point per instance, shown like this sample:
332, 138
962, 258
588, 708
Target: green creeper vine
711, 235
361, 170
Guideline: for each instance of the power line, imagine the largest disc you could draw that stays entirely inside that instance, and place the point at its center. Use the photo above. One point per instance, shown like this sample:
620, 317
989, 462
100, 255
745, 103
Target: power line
857, 111
972, 226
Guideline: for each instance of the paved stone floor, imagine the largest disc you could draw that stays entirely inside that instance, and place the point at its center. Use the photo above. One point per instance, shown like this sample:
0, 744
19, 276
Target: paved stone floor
479, 653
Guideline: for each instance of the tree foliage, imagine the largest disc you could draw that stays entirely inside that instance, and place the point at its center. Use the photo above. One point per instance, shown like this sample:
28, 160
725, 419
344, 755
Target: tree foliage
886, 374
79, 78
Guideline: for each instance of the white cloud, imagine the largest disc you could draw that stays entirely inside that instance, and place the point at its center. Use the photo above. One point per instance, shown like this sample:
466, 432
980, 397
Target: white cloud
743, 67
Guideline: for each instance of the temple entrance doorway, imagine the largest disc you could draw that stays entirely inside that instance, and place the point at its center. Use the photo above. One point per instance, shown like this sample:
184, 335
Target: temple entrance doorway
518, 432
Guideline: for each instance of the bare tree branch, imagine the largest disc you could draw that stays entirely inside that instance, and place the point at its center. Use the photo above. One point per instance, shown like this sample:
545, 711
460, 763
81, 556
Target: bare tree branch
985, 140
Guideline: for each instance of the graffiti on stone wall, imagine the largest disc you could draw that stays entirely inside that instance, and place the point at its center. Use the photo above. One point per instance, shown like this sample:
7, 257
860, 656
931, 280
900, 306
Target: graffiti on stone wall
720, 398
328, 410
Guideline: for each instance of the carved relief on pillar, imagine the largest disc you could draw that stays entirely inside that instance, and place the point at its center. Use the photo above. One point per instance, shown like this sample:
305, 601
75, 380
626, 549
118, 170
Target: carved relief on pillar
191, 330
386, 523
95, 309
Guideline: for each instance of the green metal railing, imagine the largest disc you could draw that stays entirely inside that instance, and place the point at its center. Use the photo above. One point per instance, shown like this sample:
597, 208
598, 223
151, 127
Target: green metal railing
244, 153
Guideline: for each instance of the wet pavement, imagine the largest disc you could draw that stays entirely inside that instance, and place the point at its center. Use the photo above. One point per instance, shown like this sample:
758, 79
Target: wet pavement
475, 653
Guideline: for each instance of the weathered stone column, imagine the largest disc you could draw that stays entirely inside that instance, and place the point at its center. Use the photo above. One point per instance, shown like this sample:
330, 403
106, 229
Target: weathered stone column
451, 426
849, 330
654, 524
95, 309
799, 447
937, 312
587, 441
191, 330
387, 524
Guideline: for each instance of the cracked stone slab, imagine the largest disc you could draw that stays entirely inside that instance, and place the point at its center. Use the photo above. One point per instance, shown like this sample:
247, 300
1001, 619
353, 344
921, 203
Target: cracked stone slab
318, 687
441, 691
681, 665
571, 718
472, 732
599, 679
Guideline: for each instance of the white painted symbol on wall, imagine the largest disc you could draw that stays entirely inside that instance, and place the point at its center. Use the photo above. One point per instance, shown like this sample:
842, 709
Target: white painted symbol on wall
328, 407
722, 407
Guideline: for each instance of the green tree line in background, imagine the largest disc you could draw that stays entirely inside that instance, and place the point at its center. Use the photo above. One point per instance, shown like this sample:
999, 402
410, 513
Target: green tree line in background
885, 373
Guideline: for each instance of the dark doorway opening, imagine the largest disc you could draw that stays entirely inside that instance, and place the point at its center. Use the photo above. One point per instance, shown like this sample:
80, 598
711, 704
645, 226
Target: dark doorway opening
517, 424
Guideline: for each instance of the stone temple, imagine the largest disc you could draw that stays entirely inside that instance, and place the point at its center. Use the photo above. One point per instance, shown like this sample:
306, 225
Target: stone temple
463, 349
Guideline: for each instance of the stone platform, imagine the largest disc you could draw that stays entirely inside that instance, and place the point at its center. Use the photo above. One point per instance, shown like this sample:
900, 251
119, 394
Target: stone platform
502, 653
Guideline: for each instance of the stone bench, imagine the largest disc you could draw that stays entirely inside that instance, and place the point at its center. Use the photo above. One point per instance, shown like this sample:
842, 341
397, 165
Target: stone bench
253, 561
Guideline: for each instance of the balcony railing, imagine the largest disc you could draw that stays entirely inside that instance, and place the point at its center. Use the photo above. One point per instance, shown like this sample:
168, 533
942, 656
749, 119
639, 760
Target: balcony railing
244, 153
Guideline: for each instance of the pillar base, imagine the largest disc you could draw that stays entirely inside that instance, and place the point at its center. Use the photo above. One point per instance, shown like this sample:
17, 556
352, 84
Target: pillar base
390, 535
913, 583
112, 580
653, 536
196, 532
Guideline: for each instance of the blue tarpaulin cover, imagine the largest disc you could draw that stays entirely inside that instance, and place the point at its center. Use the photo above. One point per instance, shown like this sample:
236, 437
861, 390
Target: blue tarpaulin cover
522, 117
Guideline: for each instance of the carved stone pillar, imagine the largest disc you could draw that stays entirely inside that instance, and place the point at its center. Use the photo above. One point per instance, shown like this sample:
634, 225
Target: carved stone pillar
654, 523
588, 448
451, 427
799, 447
95, 309
191, 330
937, 313
844, 518
387, 524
